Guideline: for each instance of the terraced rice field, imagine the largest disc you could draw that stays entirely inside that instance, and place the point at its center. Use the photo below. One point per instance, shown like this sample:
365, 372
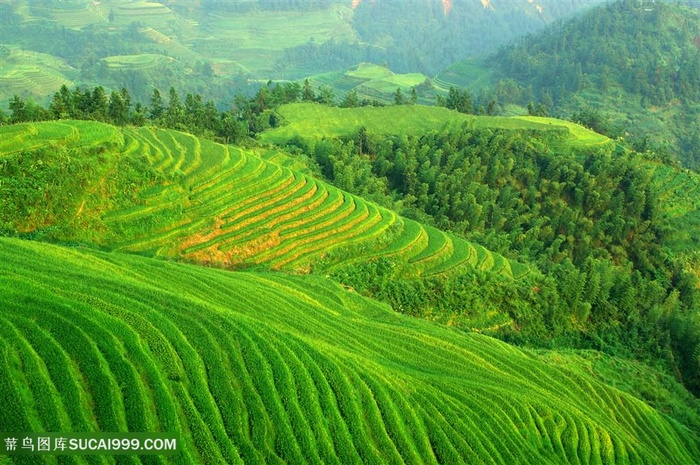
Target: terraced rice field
142, 61
371, 81
469, 74
77, 14
251, 39
228, 207
236, 209
153, 14
273, 368
35, 79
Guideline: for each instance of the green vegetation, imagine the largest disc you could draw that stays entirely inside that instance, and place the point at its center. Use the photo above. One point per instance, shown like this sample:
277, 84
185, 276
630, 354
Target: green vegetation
259, 367
372, 84
470, 74
30, 73
328, 211
316, 121
219, 48
588, 212
626, 69
142, 61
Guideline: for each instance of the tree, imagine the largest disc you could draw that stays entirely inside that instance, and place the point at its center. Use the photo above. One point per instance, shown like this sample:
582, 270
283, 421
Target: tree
157, 106
138, 117
536, 109
99, 104
175, 113
18, 110
398, 97
459, 100
194, 112
119, 107
307, 93
351, 100
61, 105
414, 95
325, 95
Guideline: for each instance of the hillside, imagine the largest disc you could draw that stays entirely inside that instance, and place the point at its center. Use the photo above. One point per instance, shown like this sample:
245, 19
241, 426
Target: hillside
271, 368
169, 194
627, 69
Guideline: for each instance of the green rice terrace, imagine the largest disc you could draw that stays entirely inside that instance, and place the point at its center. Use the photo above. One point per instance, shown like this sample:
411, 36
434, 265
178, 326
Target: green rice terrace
25, 72
316, 121
207, 203
259, 367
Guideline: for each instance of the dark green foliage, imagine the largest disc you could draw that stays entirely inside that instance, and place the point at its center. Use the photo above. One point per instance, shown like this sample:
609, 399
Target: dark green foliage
457, 99
626, 69
18, 110
399, 99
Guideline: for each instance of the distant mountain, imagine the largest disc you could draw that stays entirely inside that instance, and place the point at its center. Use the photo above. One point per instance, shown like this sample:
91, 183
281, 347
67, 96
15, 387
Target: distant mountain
215, 47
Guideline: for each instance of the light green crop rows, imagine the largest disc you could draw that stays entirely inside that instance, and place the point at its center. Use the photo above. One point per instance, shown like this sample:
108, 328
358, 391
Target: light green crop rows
29, 136
271, 368
317, 121
242, 210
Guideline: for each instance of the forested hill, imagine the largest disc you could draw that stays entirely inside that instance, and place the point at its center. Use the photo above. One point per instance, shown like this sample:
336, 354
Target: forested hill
627, 69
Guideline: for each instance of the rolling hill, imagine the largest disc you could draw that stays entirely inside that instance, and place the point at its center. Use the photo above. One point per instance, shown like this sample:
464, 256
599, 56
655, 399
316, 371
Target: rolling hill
272, 368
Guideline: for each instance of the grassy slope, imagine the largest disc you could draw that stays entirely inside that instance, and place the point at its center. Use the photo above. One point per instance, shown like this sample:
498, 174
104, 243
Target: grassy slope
312, 120
258, 367
211, 204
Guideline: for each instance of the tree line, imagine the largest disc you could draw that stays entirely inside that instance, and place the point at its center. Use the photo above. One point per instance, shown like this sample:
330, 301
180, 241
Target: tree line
246, 117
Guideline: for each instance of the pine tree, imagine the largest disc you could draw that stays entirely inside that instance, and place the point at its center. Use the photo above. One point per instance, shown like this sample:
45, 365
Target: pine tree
157, 106
175, 113
351, 100
99, 104
307, 94
398, 97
